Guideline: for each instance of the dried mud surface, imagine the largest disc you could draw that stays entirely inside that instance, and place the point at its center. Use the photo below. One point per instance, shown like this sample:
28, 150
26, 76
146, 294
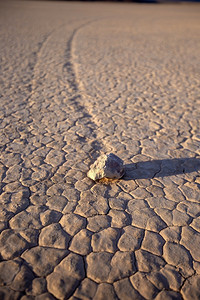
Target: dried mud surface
77, 80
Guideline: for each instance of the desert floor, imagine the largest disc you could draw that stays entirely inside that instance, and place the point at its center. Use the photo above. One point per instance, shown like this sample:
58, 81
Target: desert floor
77, 80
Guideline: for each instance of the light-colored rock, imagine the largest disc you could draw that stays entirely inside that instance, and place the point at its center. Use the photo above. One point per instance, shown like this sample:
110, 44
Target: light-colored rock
106, 166
55, 116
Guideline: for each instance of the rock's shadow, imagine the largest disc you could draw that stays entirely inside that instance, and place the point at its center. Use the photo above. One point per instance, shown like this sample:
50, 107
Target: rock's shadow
161, 168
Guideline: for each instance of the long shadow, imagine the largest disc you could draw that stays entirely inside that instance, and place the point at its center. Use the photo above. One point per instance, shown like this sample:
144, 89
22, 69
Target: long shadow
161, 168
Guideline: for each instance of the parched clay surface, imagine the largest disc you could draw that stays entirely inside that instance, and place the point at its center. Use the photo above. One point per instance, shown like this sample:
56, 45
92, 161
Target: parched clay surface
78, 79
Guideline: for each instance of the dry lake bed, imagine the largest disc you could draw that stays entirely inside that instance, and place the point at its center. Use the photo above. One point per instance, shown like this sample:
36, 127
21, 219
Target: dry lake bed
77, 80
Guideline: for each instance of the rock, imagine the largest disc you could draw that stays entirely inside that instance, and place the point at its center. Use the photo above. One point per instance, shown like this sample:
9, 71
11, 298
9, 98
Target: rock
106, 166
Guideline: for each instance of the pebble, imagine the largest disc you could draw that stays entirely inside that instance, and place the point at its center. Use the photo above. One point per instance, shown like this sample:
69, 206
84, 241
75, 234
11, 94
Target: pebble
106, 166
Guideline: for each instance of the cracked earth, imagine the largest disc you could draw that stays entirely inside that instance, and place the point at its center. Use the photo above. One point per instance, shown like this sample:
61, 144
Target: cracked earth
77, 80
